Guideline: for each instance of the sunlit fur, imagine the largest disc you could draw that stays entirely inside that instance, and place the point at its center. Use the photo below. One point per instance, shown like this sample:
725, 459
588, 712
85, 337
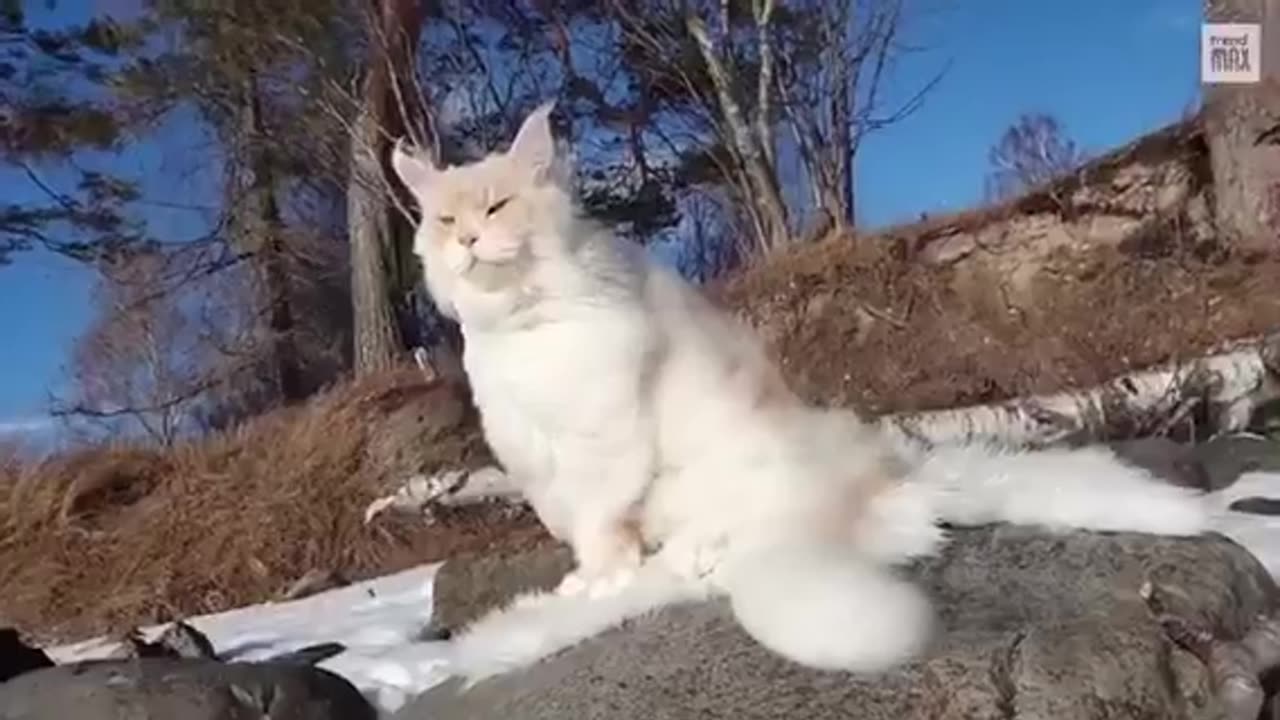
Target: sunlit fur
647, 425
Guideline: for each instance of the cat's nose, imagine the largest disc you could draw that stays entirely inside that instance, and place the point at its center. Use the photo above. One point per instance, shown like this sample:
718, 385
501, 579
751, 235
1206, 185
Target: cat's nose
467, 240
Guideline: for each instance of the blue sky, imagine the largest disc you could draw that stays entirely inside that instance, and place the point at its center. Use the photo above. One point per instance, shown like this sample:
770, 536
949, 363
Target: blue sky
1110, 70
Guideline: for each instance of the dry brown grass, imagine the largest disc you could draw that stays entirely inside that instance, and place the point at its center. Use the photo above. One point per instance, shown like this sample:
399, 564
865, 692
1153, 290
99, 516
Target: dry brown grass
862, 322
104, 538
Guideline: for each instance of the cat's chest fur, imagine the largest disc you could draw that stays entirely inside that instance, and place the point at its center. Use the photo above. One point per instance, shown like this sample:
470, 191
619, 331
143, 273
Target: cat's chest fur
550, 389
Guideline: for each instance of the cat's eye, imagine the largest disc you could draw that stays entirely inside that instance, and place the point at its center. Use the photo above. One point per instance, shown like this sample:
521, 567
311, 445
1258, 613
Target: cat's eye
499, 205
446, 219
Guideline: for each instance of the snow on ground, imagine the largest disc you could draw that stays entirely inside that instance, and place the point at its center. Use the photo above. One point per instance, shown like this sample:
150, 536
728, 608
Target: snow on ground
1260, 534
379, 620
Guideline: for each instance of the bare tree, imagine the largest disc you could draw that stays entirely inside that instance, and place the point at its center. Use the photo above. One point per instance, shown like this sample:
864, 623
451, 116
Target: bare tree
124, 370
1033, 151
753, 70
832, 85
171, 350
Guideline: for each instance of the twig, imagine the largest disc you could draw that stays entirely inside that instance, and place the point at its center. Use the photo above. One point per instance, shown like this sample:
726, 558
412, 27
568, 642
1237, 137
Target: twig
449, 488
884, 315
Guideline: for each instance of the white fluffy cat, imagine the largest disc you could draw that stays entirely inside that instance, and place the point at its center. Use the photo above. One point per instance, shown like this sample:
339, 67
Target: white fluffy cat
649, 430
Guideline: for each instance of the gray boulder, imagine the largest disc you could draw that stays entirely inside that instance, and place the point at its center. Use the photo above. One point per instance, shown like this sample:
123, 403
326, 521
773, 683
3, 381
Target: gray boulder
1032, 626
17, 657
1211, 465
156, 688
466, 587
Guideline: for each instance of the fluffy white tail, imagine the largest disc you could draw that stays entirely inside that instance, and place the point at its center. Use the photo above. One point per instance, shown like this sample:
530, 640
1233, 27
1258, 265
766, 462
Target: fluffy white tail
537, 624
827, 607
820, 606
1087, 488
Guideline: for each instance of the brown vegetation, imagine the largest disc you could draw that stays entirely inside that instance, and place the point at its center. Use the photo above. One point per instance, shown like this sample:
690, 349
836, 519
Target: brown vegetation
979, 306
104, 538
864, 322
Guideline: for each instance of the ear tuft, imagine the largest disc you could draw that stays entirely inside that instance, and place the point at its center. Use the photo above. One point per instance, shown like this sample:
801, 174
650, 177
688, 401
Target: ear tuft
534, 146
412, 166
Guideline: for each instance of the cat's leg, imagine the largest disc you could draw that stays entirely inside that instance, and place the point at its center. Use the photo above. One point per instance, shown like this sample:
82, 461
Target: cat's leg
603, 477
607, 560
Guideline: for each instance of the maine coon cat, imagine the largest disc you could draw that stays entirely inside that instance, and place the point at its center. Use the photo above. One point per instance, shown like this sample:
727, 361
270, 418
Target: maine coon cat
650, 431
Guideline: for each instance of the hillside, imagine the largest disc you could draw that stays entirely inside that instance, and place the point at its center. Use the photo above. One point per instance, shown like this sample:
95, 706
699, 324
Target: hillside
1115, 268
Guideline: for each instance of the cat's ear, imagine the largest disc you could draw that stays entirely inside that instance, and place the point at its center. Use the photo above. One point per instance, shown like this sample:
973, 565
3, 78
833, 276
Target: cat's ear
535, 147
412, 166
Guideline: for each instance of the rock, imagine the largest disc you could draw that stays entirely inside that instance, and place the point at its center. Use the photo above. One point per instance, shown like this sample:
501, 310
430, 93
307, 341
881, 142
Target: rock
1165, 458
1226, 458
465, 588
190, 689
1255, 505
1033, 625
179, 640
1210, 466
310, 654
17, 657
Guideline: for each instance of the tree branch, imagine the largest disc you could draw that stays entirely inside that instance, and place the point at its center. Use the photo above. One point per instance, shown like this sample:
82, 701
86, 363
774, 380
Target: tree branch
764, 84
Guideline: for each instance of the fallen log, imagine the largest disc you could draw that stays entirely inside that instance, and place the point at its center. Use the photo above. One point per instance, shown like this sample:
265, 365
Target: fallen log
1223, 389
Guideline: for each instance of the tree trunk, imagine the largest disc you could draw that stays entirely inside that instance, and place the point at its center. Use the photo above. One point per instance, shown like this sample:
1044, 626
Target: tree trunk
377, 337
763, 12
388, 108
1242, 122
840, 202
764, 193
837, 169
269, 251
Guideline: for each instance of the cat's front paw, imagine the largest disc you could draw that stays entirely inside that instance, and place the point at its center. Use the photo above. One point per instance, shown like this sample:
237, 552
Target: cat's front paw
611, 584
578, 583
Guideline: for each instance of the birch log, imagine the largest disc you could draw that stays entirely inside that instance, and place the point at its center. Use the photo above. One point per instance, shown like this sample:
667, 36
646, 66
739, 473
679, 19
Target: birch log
1225, 387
